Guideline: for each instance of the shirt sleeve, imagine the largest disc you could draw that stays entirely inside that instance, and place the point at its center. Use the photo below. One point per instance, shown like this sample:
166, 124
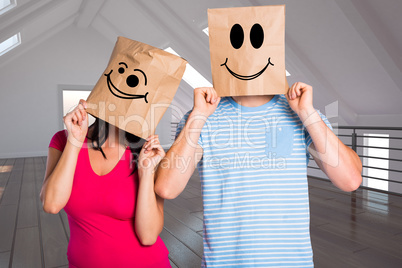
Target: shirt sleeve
308, 139
180, 127
59, 140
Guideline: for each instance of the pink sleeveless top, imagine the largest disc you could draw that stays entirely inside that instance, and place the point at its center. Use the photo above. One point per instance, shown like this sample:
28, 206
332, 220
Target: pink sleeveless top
101, 212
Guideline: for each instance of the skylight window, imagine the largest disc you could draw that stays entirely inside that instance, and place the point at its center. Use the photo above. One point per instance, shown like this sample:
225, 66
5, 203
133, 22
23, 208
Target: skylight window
191, 75
6, 5
206, 31
10, 43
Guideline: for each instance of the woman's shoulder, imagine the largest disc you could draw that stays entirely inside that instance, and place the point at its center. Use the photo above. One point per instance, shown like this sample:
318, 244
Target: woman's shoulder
59, 140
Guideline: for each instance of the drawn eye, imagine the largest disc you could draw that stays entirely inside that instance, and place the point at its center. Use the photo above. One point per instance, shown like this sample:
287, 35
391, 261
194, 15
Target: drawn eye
237, 36
121, 70
132, 80
256, 36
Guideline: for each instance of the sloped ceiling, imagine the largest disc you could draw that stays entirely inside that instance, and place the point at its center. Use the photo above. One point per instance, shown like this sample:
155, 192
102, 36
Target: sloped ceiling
349, 50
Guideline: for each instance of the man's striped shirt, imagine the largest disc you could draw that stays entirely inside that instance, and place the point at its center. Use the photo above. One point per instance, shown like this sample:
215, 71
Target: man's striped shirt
254, 186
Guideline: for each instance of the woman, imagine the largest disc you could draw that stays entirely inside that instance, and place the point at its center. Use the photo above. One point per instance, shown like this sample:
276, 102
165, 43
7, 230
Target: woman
105, 182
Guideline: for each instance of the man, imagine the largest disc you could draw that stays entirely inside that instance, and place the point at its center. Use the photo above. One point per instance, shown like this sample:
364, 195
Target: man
252, 153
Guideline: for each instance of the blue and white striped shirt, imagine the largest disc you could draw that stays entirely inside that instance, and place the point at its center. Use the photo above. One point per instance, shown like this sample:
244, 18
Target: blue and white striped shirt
254, 186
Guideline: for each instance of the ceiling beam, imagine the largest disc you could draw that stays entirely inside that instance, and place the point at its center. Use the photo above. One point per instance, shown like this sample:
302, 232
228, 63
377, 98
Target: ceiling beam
28, 15
89, 10
26, 46
105, 28
182, 37
30, 9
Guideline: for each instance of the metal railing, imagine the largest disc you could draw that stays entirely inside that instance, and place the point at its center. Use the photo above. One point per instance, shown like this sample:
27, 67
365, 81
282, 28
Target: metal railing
354, 137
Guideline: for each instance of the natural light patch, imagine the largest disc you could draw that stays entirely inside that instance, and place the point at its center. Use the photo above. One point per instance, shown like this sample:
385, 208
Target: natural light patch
6, 5
376, 202
6, 169
376, 168
10, 43
191, 75
206, 31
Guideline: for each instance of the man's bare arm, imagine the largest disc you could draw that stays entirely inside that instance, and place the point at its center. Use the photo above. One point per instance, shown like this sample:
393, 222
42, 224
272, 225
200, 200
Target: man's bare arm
340, 163
180, 161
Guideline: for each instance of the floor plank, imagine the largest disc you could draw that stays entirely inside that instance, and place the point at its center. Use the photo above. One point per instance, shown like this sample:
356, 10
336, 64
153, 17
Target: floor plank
5, 258
179, 254
54, 240
27, 248
183, 215
8, 217
27, 212
184, 234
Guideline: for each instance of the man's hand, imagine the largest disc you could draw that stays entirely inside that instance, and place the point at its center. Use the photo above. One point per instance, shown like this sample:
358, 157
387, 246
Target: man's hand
300, 98
205, 101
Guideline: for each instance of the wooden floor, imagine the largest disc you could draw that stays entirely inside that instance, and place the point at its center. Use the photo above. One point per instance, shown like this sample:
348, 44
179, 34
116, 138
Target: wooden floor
363, 229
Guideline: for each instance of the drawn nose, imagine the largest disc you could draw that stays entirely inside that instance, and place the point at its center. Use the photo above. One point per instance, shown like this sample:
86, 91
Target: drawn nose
132, 80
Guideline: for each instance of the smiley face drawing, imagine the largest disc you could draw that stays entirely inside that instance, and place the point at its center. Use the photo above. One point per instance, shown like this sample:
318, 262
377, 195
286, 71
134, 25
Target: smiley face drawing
256, 39
132, 80
247, 49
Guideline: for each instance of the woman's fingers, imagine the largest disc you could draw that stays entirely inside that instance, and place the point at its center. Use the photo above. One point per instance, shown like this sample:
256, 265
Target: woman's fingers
74, 119
79, 114
153, 146
82, 111
79, 117
151, 142
83, 103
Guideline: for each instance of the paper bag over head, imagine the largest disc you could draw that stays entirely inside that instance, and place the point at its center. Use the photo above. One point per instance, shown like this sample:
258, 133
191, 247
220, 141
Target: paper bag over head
247, 47
137, 87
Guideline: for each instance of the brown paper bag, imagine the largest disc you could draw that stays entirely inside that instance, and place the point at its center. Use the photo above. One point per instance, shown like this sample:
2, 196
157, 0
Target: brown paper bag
247, 47
137, 87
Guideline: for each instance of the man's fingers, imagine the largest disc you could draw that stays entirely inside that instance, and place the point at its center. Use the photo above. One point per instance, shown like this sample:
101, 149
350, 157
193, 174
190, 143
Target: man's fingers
297, 89
215, 98
209, 95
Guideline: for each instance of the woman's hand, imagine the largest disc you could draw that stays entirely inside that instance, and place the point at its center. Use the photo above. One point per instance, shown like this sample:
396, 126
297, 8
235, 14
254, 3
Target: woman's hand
149, 206
76, 123
151, 154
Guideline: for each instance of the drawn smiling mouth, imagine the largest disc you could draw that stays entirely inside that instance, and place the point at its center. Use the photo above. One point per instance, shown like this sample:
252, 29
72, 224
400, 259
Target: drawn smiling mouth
122, 94
247, 77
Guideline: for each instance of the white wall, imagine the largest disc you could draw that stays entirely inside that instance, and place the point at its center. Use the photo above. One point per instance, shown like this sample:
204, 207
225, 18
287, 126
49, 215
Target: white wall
29, 97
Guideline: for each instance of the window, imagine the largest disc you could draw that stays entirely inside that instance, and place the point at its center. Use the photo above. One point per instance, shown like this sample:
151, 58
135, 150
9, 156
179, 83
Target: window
376, 167
10, 43
6, 5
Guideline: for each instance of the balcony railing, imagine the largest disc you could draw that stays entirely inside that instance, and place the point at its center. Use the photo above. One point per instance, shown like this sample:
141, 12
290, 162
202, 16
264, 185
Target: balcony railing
357, 137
